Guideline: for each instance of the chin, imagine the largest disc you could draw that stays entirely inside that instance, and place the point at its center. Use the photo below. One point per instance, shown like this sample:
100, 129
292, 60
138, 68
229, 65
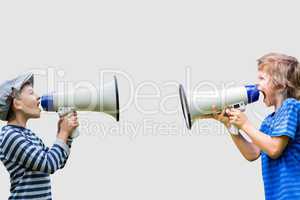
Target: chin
35, 115
267, 104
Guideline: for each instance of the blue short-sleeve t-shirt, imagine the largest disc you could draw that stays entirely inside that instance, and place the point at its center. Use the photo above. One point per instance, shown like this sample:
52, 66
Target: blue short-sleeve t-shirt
282, 175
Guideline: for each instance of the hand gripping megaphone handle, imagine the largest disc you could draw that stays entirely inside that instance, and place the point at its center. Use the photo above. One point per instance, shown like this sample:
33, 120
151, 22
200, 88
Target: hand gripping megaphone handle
67, 111
233, 129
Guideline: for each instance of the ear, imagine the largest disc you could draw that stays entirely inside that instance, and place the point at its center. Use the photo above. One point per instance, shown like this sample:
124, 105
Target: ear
281, 89
17, 104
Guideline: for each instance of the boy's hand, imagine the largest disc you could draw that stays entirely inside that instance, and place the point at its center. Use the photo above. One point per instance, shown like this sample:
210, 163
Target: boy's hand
66, 125
221, 117
237, 118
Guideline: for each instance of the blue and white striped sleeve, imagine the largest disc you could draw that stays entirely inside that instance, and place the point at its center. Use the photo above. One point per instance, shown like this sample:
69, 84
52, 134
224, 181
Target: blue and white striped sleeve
287, 122
15, 147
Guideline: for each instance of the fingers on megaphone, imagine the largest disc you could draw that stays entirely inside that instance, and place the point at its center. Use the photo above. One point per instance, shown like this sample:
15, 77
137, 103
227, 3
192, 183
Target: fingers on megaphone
223, 113
233, 112
214, 112
70, 119
213, 115
74, 113
73, 120
233, 119
217, 115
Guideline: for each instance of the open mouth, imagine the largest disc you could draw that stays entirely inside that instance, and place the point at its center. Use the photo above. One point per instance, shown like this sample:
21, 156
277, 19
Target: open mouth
38, 105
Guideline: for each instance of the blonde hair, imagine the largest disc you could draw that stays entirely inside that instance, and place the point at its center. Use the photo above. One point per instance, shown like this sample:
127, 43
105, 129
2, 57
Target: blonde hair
284, 71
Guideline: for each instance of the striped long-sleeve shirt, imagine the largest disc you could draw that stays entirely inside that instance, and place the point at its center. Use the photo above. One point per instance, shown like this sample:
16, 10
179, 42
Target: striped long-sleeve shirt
29, 162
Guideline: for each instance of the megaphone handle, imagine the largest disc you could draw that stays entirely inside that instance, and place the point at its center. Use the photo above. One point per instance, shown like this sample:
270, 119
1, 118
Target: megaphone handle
67, 111
233, 130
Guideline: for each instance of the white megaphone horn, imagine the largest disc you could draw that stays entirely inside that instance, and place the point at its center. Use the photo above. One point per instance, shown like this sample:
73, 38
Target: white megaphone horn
105, 99
201, 105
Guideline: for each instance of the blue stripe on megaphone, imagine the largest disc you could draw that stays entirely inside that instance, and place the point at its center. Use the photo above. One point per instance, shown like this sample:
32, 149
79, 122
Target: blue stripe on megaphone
47, 102
252, 93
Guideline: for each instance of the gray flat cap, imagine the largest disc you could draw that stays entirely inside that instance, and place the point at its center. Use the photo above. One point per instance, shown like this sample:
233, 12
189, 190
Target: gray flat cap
6, 90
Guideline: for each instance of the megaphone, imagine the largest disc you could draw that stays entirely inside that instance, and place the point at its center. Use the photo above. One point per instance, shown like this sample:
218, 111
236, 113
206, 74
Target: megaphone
104, 99
201, 104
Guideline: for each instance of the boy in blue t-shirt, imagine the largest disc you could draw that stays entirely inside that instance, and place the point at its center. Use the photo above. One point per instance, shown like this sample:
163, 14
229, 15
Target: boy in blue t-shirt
278, 139
26, 158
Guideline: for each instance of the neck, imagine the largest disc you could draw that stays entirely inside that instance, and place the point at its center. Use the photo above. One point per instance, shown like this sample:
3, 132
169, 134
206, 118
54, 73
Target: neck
278, 103
18, 121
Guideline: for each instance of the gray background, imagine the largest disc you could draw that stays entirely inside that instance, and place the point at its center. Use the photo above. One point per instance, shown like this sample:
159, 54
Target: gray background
151, 42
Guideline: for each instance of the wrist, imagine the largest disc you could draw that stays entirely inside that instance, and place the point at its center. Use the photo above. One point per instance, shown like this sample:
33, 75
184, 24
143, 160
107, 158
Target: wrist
246, 126
63, 135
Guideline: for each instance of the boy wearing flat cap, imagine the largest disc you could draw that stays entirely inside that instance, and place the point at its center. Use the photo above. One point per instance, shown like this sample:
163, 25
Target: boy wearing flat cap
26, 158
